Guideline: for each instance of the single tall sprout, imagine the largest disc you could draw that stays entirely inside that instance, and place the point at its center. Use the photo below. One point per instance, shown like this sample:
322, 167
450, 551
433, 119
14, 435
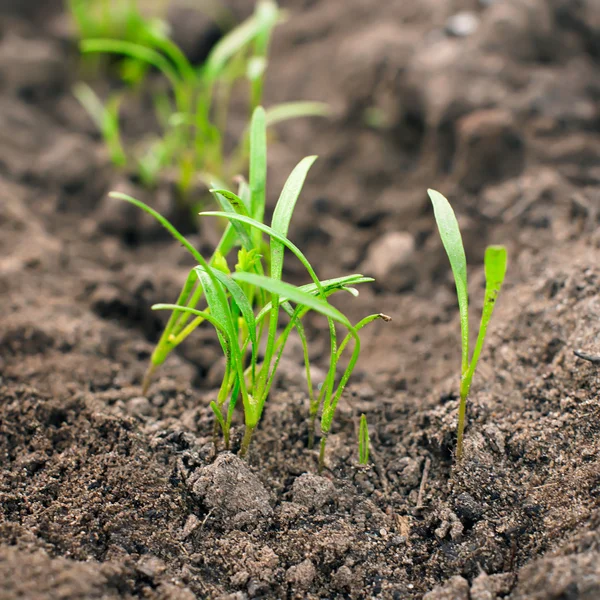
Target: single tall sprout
495, 270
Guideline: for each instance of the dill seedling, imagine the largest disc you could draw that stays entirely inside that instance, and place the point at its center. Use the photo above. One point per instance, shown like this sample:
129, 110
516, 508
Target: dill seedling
495, 270
246, 307
193, 114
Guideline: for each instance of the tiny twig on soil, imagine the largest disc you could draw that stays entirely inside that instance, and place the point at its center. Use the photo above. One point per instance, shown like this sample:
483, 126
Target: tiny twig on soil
593, 358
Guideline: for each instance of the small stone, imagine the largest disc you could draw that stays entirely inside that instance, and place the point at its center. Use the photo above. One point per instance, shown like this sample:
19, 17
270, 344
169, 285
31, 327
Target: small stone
139, 406
390, 260
450, 524
406, 471
235, 596
240, 578
232, 491
462, 24
468, 509
456, 588
301, 575
151, 566
495, 438
312, 491
481, 588
342, 578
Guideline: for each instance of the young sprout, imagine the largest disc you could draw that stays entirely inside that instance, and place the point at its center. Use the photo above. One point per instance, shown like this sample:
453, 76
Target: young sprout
495, 270
246, 307
193, 115
106, 119
363, 441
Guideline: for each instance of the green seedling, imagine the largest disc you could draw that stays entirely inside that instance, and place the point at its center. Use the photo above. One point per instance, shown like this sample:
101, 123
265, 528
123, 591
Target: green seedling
363, 441
193, 115
495, 270
246, 307
117, 20
106, 118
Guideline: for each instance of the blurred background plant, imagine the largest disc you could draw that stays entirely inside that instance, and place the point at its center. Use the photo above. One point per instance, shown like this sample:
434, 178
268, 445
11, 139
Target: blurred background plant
189, 145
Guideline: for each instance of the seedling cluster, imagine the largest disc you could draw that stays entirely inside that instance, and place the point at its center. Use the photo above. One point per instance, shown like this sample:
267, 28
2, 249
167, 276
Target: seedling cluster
193, 113
246, 307
239, 290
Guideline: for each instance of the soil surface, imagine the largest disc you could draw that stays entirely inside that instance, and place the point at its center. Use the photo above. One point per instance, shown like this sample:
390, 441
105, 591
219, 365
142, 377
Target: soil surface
106, 494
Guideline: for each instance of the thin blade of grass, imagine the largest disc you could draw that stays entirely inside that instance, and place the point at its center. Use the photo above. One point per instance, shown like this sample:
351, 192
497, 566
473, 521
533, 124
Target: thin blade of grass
294, 110
452, 241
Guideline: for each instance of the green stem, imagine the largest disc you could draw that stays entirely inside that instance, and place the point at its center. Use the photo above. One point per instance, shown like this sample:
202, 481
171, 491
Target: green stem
462, 412
246, 441
322, 453
152, 367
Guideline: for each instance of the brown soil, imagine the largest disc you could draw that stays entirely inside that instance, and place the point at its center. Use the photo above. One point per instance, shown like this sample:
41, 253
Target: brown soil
107, 494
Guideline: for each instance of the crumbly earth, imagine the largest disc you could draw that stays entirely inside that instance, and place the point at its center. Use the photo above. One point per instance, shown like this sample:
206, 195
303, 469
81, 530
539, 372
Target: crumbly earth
105, 493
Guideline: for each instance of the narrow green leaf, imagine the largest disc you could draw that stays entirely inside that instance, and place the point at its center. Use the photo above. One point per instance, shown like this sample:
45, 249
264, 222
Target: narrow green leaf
229, 45
294, 110
240, 299
267, 15
363, 441
284, 209
273, 234
134, 51
452, 241
164, 222
216, 300
258, 164
294, 294
328, 287
218, 415
495, 270
207, 316
233, 204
